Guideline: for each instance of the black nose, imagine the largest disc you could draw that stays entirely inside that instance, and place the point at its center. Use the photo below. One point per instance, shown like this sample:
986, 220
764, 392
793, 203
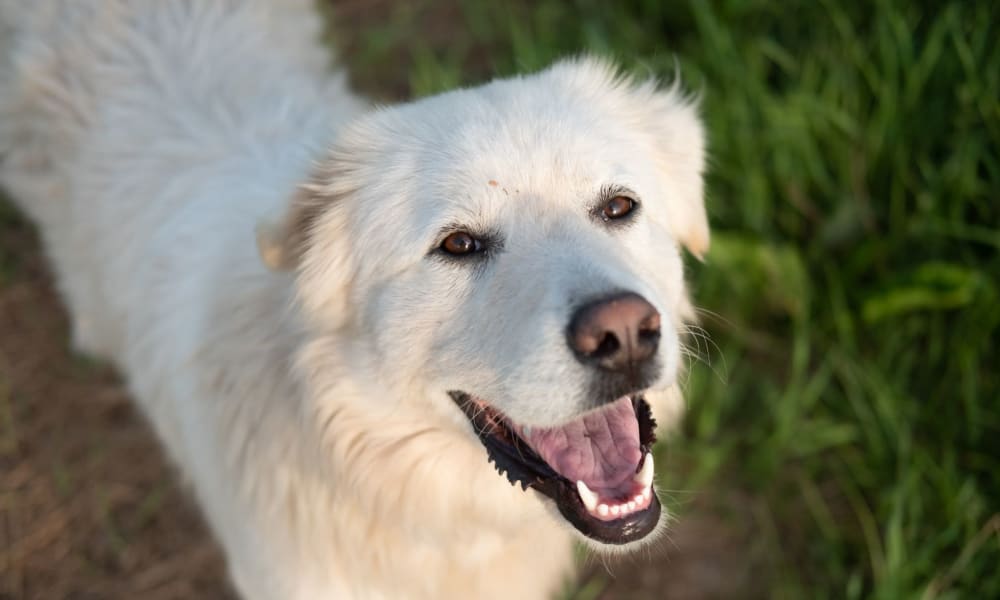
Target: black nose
617, 333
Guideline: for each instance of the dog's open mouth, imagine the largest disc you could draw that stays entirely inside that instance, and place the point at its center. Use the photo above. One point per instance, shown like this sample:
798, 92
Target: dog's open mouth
598, 468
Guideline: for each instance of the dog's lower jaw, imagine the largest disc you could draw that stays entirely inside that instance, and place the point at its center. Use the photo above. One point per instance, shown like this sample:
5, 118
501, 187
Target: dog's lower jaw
628, 548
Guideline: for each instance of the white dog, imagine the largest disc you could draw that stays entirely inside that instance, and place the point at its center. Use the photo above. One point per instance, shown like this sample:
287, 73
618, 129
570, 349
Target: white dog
343, 322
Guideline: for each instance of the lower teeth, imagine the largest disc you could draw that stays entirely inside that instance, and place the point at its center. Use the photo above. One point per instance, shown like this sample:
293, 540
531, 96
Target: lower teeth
640, 501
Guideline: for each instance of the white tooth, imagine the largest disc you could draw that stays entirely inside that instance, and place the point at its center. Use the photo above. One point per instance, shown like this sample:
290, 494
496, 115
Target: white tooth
602, 510
631, 505
615, 509
589, 498
645, 476
638, 499
624, 508
647, 493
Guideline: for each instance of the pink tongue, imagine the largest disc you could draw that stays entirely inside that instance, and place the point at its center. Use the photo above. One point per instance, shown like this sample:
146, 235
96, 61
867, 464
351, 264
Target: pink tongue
601, 448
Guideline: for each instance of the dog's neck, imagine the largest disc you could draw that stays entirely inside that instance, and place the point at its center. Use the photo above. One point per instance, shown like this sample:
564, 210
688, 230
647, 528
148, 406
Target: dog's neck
370, 456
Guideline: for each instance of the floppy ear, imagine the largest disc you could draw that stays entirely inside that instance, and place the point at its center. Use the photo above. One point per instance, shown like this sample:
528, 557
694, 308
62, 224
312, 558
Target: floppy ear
679, 151
281, 243
311, 239
271, 246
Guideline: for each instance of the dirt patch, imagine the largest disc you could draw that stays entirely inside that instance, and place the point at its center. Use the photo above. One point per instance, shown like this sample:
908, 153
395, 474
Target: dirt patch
88, 506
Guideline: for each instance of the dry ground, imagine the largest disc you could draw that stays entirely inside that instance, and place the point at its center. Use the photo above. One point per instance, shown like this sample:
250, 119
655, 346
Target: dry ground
88, 509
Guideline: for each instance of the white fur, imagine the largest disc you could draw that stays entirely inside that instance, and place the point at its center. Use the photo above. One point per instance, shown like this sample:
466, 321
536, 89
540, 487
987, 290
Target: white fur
308, 407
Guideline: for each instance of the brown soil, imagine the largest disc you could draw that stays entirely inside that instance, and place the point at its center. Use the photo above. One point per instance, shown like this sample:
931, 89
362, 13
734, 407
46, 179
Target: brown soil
88, 508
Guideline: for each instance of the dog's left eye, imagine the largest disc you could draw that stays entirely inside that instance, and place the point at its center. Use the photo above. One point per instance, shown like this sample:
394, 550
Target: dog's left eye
617, 208
461, 243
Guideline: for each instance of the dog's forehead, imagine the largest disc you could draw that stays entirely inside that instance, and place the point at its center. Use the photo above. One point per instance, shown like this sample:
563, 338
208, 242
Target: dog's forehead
531, 149
511, 151
534, 137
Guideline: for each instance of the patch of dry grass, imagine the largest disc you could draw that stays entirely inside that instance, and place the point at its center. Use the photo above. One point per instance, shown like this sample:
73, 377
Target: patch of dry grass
88, 508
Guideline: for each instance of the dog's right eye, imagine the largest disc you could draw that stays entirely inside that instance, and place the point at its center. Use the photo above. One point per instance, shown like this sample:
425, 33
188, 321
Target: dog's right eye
461, 243
617, 208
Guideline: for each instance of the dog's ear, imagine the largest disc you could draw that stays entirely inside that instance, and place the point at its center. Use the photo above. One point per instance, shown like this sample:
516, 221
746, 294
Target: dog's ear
679, 150
272, 246
281, 242
311, 239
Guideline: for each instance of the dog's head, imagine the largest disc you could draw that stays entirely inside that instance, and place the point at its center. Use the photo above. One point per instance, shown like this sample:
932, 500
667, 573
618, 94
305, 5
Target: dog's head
513, 251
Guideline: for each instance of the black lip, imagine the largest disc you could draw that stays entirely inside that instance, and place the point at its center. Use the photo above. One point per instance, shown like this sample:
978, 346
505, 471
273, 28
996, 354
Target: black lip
521, 465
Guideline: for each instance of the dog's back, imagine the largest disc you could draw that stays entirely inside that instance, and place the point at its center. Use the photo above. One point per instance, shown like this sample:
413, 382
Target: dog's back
146, 140
118, 120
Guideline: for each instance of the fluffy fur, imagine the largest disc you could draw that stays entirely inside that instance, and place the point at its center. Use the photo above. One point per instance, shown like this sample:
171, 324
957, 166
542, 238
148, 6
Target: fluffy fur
163, 148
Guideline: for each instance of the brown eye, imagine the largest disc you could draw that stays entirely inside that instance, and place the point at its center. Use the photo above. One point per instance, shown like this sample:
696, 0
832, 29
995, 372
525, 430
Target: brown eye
460, 243
618, 207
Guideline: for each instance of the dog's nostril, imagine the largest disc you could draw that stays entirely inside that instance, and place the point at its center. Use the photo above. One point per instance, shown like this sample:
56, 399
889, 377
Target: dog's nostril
616, 333
650, 325
608, 346
649, 329
649, 336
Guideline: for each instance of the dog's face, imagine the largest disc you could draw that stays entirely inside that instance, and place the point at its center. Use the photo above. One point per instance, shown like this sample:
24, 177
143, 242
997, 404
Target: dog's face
513, 251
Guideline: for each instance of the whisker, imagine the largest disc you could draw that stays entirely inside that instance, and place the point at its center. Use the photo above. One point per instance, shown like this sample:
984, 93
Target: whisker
714, 316
699, 334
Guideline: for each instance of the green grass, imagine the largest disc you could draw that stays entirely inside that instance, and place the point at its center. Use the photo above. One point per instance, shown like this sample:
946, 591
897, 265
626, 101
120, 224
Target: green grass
852, 400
